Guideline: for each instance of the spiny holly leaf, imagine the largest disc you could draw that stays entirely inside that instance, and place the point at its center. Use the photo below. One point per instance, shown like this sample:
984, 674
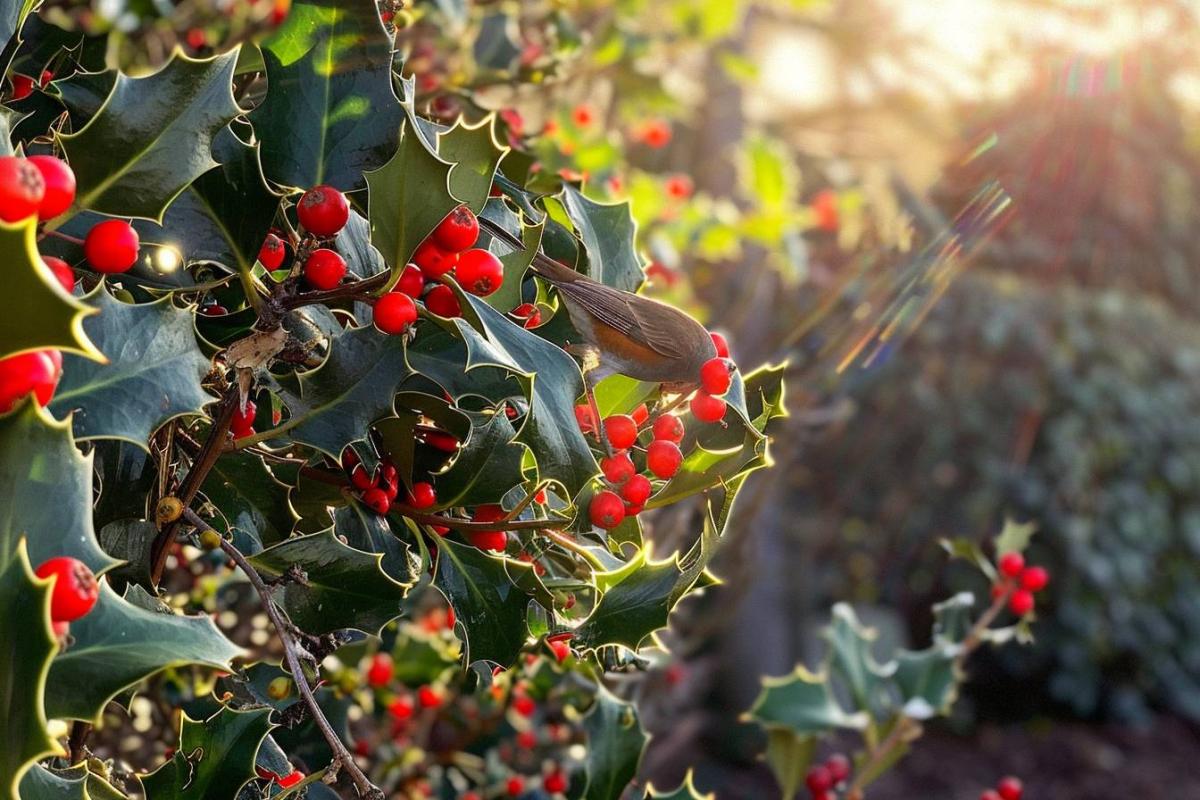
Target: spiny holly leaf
615, 744
46, 484
12, 17
608, 233
122, 641
152, 137
250, 500
343, 587
330, 113
354, 387
367, 531
487, 467
475, 154
926, 680
635, 606
802, 702
153, 374
685, 791
26, 647
952, 618
408, 197
488, 603
851, 660
46, 316
215, 757
515, 262
1014, 537
789, 756
73, 783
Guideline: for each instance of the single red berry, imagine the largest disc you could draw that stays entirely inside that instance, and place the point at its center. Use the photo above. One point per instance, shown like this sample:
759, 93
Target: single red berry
196, 38
390, 487
62, 271
641, 415
380, 670
621, 431
22, 188
412, 281
214, 310
60, 185
637, 490
394, 313
22, 86
838, 766
707, 408
470, 796
618, 468
451, 618
401, 709
75, 589
442, 301
524, 705
242, 423
679, 187
1021, 602
818, 779
479, 272
491, 512
433, 261
606, 510
349, 459
60, 629
324, 269
35, 372
377, 500
529, 314
1010, 788
655, 133
361, 479
555, 782
457, 231
668, 427
663, 458
515, 786
990, 794
440, 440
1011, 564
716, 375
720, 342
527, 740
495, 541
47, 76
323, 211
825, 210
632, 510
422, 495
561, 649
1034, 578
111, 246
540, 497
585, 418
272, 252
428, 697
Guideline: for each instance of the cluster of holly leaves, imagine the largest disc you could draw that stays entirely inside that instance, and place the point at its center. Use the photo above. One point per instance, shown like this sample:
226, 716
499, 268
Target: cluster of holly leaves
207, 156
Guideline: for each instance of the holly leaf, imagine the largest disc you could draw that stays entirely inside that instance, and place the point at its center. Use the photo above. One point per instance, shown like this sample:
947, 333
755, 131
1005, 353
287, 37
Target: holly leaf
330, 113
636, 604
851, 660
367, 531
122, 641
152, 137
927, 680
26, 648
489, 605
153, 374
1014, 537
342, 587
72, 783
685, 791
215, 757
250, 500
615, 744
803, 703
475, 154
608, 233
12, 17
515, 262
487, 467
46, 316
46, 484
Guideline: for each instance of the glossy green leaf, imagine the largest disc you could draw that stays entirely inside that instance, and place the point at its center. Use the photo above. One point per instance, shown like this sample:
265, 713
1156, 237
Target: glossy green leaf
214, 759
803, 703
342, 587
615, 742
487, 467
122, 641
330, 113
1014, 537
153, 374
73, 783
367, 531
927, 680
515, 262
152, 137
489, 605
475, 154
850, 659
634, 607
249, 499
608, 233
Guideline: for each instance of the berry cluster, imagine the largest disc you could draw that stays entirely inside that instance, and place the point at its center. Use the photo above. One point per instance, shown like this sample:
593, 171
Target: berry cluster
451, 247
824, 779
1018, 583
379, 490
1009, 788
74, 594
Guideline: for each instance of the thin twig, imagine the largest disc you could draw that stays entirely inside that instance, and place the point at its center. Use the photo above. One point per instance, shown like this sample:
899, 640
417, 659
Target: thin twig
362, 287
470, 525
341, 755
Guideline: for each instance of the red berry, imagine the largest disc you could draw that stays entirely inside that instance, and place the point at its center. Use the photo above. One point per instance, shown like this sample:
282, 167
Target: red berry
492, 512
1011, 564
663, 458
422, 495
457, 231
495, 541
585, 418
22, 86
637, 490
668, 427
361, 479
324, 269
412, 281
242, 423
479, 272
621, 431
111, 246
555, 782
716, 375
377, 500
290, 780
47, 76
60, 629
818, 779
36, 372
617, 468
838, 766
428, 697
515, 786
60, 185
380, 670
272, 252
606, 510
350, 459
214, 310
679, 187
721, 344
561, 649
825, 210
1010, 788
1021, 602
655, 133
75, 589
707, 408
62, 271
524, 705
529, 314
394, 312
442, 301
401, 709
196, 38
470, 796
527, 740
323, 210
433, 261
1034, 579
441, 440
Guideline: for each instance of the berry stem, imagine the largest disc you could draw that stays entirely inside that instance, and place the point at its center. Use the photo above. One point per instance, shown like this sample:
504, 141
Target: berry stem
63, 236
467, 525
366, 286
566, 542
341, 756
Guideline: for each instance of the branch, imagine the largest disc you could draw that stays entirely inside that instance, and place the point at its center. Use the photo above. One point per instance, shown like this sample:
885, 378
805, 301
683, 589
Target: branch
346, 290
470, 525
341, 756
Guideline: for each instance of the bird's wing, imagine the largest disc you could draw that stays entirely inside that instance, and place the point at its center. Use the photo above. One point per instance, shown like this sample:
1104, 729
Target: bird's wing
626, 313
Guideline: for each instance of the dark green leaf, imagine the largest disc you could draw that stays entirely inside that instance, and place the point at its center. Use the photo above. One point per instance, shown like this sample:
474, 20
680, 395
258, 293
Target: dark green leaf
850, 659
927, 680
475, 154
789, 756
615, 743
489, 605
487, 467
367, 531
803, 703
249, 499
215, 757
40, 783
131, 541
608, 233
635, 606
